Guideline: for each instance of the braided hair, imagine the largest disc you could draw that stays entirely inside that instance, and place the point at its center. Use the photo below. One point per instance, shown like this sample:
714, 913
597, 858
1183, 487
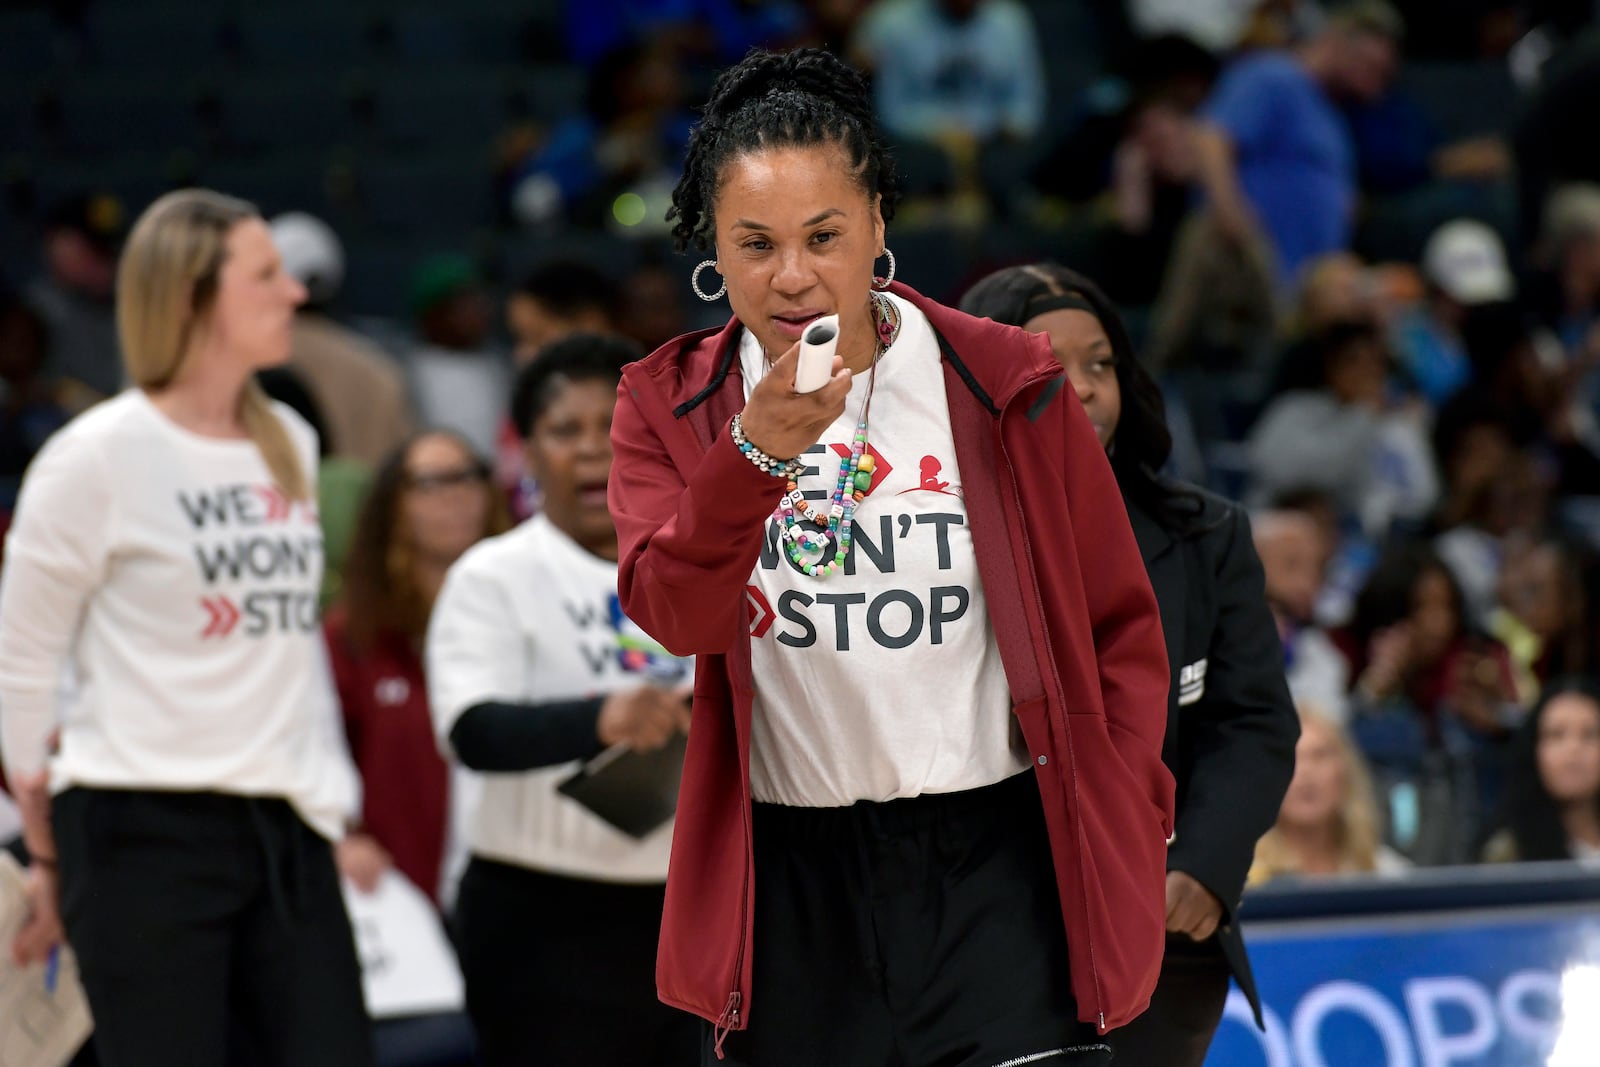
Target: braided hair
800, 98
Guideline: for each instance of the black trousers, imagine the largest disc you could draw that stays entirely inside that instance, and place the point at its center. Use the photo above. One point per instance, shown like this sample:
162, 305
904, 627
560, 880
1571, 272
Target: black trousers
923, 932
561, 972
209, 930
1184, 1012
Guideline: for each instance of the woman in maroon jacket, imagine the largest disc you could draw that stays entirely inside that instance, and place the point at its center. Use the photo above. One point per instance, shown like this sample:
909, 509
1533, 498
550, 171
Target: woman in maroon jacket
929, 715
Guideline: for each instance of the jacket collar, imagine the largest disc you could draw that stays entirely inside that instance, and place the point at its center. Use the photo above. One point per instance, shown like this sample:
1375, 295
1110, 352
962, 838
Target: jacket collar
985, 354
1153, 538
995, 361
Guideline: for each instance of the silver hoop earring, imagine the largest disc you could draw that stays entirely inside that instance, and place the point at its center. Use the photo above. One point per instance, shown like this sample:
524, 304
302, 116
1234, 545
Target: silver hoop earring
883, 282
694, 281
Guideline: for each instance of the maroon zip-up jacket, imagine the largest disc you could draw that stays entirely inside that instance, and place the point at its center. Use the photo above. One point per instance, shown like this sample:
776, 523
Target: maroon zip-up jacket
1071, 606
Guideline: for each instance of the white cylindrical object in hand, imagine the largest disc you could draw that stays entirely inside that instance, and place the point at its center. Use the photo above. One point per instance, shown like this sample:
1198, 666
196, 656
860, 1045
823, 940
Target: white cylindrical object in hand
817, 346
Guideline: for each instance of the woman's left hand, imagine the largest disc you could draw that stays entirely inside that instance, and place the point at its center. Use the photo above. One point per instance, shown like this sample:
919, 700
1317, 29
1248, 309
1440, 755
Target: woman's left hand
42, 932
362, 860
1191, 907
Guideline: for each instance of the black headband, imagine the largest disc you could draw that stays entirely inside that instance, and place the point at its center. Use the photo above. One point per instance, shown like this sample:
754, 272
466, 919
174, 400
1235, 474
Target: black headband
1047, 302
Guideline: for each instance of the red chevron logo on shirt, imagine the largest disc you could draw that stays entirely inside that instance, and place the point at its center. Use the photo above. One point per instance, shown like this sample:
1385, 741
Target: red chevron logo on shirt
880, 469
278, 505
760, 611
221, 614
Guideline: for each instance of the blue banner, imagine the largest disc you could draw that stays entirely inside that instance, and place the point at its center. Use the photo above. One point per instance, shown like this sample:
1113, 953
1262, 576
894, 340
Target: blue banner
1486, 989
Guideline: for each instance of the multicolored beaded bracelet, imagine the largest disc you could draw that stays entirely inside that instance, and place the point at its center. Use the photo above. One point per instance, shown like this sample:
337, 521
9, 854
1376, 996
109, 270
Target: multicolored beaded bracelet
787, 469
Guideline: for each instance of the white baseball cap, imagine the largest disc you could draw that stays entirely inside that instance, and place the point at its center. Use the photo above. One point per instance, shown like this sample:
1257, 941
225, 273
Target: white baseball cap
1466, 260
311, 253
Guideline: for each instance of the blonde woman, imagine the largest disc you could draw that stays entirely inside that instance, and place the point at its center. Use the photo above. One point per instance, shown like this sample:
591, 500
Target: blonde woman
1329, 822
166, 559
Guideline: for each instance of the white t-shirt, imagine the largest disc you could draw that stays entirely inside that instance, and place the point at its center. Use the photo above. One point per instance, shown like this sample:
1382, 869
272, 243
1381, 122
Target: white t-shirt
531, 617
164, 575
1216, 24
1387, 863
1319, 675
10, 819
883, 680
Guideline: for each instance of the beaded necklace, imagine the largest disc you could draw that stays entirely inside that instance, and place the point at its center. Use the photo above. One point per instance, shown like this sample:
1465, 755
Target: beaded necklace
820, 552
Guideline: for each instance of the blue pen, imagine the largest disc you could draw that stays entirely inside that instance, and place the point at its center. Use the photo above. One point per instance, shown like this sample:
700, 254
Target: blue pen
51, 966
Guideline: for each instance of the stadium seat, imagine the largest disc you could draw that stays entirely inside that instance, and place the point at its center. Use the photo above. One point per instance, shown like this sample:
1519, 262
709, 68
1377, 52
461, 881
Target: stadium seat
269, 113
549, 92
1396, 228
288, 181
458, 108
1463, 99
32, 45
456, 36
433, 194
378, 275
135, 178
329, 36
616, 256
131, 39
103, 116
933, 260
1070, 40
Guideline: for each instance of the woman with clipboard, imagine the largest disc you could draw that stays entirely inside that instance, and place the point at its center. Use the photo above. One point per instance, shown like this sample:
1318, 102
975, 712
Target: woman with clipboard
532, 667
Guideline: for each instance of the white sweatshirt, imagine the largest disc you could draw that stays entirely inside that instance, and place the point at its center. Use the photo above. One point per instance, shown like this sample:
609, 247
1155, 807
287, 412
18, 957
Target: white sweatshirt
531, 617
158, 604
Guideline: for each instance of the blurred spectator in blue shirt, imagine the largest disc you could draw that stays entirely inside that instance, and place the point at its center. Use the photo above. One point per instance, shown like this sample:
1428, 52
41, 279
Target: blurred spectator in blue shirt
1276, 154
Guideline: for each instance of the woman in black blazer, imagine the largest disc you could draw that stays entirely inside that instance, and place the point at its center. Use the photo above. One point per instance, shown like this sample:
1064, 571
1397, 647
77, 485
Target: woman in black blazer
1231, 726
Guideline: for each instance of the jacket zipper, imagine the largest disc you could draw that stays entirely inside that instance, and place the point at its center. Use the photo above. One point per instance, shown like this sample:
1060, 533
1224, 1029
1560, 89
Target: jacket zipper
728, 1021
1037, 1056
1072, 763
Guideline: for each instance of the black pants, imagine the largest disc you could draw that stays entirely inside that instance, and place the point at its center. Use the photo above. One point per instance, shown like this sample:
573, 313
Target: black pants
444, 1039
209, 930
923, 932
561, 972
1177, 1029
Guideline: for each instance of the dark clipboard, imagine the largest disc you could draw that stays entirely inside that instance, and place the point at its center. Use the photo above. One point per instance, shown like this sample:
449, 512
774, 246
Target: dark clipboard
634, 791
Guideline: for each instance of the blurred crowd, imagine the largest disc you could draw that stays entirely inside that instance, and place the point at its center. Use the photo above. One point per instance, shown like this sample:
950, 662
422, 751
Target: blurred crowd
1374, 322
